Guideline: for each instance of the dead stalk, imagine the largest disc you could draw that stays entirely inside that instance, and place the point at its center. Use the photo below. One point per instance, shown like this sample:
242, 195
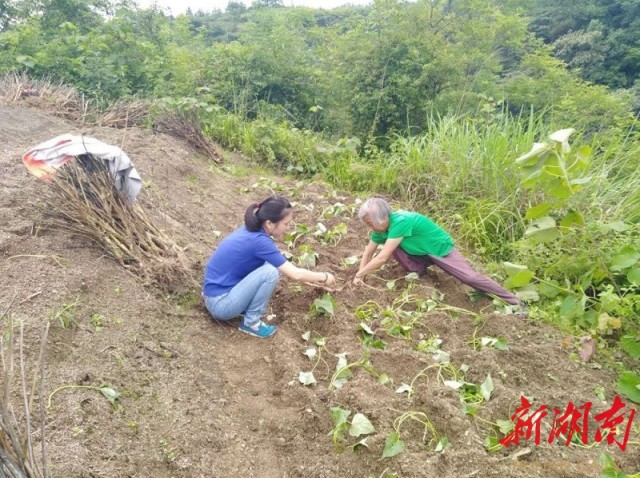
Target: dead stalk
17, 456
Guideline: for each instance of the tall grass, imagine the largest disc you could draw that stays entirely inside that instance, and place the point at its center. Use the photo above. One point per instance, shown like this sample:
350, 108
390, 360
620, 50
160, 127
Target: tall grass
462, 171
616, 167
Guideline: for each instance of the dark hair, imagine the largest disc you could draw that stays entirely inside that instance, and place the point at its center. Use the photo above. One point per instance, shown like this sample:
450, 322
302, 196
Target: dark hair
273, 209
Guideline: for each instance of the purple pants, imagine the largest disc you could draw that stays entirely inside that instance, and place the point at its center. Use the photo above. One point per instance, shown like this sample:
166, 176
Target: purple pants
455, 264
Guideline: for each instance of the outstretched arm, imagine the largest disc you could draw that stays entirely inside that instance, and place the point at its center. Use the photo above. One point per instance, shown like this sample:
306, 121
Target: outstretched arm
367, 255
383, 256
305, 275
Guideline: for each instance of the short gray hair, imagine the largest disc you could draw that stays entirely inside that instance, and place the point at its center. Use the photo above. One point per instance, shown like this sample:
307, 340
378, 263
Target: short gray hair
376, 208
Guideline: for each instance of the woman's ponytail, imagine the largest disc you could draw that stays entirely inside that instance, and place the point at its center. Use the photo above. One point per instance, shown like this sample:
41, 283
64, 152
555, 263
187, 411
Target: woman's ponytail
272, 209
251, 220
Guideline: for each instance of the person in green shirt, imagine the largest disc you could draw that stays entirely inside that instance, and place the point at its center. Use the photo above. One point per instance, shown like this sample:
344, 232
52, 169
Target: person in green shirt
417, 242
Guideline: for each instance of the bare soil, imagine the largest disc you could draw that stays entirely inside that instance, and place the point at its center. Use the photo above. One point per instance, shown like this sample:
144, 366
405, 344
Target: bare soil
200, 399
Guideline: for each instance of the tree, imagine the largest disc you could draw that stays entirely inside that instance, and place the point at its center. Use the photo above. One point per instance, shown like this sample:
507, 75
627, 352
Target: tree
267, 3
6, 13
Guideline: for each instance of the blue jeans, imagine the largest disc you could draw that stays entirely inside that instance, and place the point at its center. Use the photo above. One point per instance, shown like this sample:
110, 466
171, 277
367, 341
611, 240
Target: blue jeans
249, 297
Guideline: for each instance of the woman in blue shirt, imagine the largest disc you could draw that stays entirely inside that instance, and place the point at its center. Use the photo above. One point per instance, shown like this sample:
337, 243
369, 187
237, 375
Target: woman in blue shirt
242, 273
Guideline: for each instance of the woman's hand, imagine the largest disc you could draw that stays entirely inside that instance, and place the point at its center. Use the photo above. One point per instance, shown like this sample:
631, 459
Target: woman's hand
330, 280
357, 281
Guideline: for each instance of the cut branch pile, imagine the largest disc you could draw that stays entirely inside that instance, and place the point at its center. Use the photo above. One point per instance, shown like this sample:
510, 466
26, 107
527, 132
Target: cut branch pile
61, 100
18, 458
57, 99
83, 199
187, 126
125, 114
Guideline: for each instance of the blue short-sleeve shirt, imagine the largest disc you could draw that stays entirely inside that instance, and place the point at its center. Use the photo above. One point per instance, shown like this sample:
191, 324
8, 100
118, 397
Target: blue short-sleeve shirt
239, 254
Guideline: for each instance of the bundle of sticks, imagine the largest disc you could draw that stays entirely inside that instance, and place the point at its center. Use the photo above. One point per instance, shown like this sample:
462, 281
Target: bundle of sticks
83, 199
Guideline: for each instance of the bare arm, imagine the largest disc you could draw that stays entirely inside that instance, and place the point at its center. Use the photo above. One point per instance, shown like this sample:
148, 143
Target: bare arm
367, 255
383, 256
305, 275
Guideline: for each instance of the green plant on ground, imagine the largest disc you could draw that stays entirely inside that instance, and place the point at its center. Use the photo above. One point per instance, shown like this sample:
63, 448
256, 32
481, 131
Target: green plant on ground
360, 425
611, 470
107, 392
330, 236
394, 445
335, 210
344, 369
315, 351
307, 256
189, 300
168, 451
325, 306
97, 320
66, 316
292, 237
581, 261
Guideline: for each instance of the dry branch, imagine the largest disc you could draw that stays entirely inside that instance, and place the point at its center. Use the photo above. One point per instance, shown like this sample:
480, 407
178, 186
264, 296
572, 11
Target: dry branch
54, 98
125, 114
17, 455
187, 126
85, 201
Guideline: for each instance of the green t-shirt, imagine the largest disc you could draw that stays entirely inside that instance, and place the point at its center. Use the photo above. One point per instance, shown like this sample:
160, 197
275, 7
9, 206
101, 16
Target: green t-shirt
421, 236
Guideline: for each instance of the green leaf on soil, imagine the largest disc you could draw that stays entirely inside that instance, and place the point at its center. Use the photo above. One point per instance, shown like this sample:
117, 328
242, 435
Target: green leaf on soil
393, 445
599, 391
366, 328
487, 388
610, 469
339, 416
453, 384
505, 426
360, 425
362, 442
441, 357
442, 445
492, 444
349, 261
404, 388
324, 306
307, 378
110, 394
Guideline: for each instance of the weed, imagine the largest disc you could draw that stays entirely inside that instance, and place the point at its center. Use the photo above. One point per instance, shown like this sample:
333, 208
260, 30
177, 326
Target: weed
189, 300
169, 452
66, 316
97, 320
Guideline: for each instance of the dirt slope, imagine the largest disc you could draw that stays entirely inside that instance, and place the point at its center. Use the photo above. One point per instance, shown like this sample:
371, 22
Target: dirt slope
200, 399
